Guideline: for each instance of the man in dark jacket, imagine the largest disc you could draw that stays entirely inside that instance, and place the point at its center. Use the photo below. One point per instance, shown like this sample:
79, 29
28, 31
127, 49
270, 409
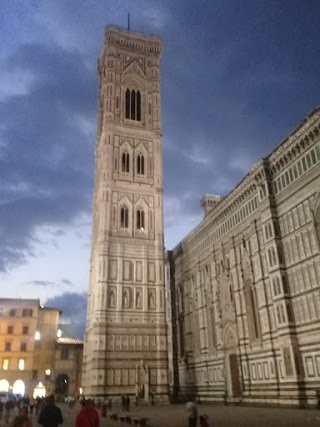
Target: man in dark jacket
50, 414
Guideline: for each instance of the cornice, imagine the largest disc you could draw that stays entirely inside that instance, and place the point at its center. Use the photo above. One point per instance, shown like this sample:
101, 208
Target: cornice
133, 41
260, 171
297, 142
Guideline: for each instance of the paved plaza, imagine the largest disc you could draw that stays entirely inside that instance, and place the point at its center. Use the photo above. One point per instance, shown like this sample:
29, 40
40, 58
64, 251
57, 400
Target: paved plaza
219, 416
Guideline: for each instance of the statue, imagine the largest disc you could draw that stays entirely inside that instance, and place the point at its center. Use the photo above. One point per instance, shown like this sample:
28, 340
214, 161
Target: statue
138, 299
126, 299
151, 300
142, 381
112, 299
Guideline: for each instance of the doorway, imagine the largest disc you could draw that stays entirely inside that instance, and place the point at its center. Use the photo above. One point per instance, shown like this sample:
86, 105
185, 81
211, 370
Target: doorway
234, 376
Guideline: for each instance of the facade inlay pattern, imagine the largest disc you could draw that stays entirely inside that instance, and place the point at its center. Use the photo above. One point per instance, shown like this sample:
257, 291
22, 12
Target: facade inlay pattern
243, 288
125, 350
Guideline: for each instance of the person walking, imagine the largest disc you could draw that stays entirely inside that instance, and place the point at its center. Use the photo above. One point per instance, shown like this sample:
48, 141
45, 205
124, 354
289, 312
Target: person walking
88, 415
203, 421
8, 406
22, 420
192, 412
123, 402
127, 404
50, 414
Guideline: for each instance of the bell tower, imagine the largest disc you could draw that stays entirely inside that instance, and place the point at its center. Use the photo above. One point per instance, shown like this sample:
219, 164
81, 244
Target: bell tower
125, 348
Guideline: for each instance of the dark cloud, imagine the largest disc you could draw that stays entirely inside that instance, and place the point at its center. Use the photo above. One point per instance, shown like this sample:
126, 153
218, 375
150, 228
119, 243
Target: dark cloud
74, 310
47, 172
237, 77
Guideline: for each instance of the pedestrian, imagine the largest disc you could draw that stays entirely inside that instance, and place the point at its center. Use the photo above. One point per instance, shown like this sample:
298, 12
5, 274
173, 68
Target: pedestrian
8, 407
50, 414
37, 404
137, 400
22, 420
127, 403
151, 398
31, 405
203, 421
123, 401
88, 415
192, 412
110, 403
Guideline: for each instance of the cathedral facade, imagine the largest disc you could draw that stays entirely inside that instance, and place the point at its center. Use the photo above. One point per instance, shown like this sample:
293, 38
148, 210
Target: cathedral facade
125, 349
243, 288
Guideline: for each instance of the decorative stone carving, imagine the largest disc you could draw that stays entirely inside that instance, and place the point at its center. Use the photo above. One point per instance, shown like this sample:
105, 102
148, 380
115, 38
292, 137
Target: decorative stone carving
142, 381
139, 298
112, 297
126, 298
151, 299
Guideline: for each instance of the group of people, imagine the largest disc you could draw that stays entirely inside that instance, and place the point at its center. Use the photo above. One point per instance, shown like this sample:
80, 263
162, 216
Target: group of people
125, 400
23, 404
51, 416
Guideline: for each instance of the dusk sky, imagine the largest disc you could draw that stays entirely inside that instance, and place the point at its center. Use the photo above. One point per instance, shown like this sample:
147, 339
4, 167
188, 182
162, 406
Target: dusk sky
237, 76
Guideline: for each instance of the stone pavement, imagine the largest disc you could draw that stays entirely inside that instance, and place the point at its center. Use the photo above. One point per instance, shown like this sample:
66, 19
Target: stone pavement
219, 416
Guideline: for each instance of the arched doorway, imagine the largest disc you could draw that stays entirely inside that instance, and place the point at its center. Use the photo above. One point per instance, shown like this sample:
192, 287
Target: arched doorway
19, 387
62, 385
4, 385
233, 386
39, 391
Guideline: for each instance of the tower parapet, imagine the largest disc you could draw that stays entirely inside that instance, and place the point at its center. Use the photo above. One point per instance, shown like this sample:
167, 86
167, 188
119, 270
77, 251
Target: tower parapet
208, 202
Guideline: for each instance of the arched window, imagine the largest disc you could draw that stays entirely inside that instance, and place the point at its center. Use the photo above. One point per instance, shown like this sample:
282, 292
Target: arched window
278, 314
276, 286
138, 106
276, 228
252, 310
133, 105
290, 313
124, 217
140, 219
280, 254
272, 256
127, 104
125, 162
285, 285
140, 164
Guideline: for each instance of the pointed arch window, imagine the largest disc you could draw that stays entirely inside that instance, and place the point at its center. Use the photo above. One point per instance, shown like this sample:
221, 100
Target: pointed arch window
125, 162
128, 104
133, 105
140, 220
140, 164
252, 310
124, 217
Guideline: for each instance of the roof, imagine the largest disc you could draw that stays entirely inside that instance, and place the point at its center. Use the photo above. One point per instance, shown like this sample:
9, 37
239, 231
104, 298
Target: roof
68, 340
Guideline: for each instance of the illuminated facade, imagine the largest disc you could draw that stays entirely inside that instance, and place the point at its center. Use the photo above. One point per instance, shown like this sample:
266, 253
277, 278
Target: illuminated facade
28, 334
125, 349
67, 367
243, 288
